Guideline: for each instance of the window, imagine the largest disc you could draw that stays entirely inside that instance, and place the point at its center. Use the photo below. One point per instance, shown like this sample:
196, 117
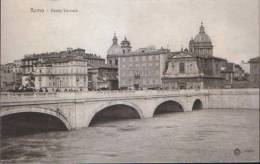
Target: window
172, 65
116, 62
182, 67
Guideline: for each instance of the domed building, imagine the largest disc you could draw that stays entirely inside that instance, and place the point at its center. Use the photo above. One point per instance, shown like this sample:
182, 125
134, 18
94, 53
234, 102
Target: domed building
201, 45
116, 50
113, 52
195, 68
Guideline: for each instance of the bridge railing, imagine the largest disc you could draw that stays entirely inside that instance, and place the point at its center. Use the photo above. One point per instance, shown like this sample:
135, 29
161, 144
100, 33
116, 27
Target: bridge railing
25, 96
9, 96
19, 96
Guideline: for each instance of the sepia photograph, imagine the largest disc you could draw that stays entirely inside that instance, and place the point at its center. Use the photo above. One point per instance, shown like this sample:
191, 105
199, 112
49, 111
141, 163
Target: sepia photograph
129, 81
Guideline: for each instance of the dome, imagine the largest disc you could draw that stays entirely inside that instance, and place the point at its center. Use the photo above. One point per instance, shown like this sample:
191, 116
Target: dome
202, 36
115, 49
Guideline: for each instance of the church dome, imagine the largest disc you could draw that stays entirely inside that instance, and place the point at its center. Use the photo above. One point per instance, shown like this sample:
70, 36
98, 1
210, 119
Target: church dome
202, 37
115, 49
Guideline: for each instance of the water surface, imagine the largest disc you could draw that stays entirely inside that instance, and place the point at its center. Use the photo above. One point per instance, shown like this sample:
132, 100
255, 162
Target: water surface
198, 136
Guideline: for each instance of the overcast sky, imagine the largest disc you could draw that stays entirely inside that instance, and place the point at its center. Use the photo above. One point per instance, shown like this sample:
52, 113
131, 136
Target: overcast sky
233, 25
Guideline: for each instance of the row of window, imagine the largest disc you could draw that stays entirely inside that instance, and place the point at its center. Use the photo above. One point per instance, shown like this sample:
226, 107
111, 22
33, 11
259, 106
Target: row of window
64, 84
140, 65
64, 78
140, 58
63, 70
182, 67
110, 62
142, 82
142, 73
64, 81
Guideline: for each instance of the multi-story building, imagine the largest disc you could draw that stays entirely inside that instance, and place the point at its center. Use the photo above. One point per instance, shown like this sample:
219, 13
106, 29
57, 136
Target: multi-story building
30, 63
255, 71
102, 77
113, 54
196, 67
64, 74
10, 77
142, 69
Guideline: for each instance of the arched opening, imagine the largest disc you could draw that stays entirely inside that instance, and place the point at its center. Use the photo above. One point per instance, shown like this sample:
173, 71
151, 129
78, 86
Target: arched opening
24, 123
197, 105
114, 113
168, 107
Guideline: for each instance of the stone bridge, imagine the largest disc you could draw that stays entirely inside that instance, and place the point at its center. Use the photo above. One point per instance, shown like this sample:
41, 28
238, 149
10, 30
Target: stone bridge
77, 110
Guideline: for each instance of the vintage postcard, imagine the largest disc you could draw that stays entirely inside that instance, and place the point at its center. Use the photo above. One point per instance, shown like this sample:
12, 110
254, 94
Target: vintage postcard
129, 81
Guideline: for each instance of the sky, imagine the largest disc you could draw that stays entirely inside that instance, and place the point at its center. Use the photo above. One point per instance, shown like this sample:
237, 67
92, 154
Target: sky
233, 25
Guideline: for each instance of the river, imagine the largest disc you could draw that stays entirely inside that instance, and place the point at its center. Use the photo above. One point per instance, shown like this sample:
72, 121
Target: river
209, 135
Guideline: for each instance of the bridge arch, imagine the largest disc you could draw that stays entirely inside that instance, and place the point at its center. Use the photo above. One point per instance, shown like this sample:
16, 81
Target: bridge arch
51, 112
177, 103
197, 104
135, 108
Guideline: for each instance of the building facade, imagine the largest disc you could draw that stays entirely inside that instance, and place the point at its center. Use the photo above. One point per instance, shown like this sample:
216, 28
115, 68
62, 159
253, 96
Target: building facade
30, 64
10, 77
196, 67
65, 74
255, 71
142, 69
102, 77
116, 50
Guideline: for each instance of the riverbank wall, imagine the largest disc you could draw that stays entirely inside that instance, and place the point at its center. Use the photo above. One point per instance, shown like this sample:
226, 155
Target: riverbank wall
234, 99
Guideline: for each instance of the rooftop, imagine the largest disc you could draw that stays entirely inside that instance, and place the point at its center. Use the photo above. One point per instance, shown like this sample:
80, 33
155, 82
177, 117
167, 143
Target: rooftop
255, 60
68, 52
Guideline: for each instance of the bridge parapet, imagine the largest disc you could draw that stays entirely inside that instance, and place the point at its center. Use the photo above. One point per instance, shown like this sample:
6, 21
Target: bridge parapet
248, 91
13, 97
